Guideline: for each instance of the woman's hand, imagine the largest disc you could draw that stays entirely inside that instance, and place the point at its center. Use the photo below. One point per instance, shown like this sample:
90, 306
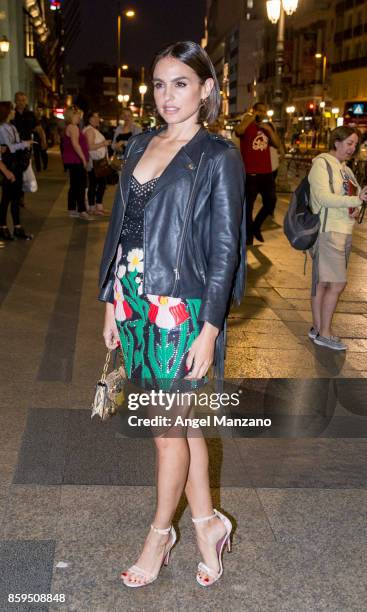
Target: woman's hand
355, 213
201, 353
110, 331
10, 176
363, 194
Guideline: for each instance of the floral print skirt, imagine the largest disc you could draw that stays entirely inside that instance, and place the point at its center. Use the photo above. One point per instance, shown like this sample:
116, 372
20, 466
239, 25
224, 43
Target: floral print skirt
156, 331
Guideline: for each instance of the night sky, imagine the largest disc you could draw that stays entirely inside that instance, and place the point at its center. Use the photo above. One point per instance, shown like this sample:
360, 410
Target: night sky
157, 23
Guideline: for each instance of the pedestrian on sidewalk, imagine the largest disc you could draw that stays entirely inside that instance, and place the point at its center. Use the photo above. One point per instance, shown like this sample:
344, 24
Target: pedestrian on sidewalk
256, 137
15, 157
167, 278
337, 198
25, 122
97, 145
75, 155
124, 131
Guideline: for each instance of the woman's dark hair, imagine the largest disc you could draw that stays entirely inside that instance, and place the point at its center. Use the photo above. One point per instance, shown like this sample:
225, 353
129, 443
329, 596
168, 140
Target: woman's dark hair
5, 110
341, 133
90, 115
191, 54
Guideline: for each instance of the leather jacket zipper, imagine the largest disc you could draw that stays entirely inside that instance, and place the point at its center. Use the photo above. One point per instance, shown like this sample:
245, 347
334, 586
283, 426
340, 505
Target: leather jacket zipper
184, 231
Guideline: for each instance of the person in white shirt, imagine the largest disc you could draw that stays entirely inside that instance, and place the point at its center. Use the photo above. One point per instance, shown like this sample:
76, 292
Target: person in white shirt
97, 145
337, 198
124, 131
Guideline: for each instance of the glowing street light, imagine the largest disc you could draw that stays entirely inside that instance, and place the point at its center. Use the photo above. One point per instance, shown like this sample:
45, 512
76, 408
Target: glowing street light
290, 6
120, 98
273, 9
4, 46
290, 110
124, 67
129, 14
270, 113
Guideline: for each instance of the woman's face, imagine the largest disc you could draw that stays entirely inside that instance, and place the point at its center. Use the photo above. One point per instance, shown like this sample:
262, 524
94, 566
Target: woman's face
178, 91
94, 120
76, 118
126, 117
345, 149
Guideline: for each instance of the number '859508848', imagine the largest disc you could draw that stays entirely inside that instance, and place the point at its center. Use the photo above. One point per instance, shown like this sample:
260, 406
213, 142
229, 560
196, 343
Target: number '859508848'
36, 597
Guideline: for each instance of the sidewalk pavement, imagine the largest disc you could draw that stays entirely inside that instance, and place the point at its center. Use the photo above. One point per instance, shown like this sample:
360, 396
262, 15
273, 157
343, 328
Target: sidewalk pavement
76, 498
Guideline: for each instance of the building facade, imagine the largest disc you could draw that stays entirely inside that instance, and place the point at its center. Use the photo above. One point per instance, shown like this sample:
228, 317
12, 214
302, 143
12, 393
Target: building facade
348, 52
234, 41
32, 63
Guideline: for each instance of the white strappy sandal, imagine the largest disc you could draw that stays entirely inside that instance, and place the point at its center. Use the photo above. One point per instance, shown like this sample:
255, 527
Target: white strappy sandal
144, 577
212, 575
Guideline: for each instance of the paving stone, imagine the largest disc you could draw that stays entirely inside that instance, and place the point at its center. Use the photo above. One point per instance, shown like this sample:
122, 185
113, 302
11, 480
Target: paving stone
32, 513
316, 515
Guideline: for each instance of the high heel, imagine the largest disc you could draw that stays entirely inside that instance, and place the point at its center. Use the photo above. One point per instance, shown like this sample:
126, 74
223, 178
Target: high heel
212, 575
144, 576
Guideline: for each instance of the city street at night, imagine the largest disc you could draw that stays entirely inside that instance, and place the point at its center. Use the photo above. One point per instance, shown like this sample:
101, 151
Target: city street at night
69, 485
183, 305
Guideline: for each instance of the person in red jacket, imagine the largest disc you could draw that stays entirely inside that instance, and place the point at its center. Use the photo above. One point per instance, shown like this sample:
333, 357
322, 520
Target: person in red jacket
256, 138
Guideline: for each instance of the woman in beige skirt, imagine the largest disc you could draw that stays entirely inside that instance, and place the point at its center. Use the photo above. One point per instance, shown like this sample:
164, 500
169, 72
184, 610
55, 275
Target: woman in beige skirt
337, 197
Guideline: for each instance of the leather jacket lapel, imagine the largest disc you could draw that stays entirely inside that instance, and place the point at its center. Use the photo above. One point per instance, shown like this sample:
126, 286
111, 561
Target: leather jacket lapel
184, 162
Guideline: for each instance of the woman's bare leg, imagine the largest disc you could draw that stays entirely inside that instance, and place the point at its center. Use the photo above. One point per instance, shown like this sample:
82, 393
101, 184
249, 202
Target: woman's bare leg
329, 303
172, 467
316, 304
198, 494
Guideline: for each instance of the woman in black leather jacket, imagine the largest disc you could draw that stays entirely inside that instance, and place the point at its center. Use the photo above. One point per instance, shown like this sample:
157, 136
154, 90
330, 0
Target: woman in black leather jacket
173, 258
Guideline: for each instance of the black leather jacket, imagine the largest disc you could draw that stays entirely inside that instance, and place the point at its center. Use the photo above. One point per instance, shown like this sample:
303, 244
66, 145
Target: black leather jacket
194, 225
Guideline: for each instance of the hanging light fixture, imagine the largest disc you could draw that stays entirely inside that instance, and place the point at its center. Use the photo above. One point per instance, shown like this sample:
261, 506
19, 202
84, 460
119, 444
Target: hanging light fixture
273, 10
4, 46
290, 6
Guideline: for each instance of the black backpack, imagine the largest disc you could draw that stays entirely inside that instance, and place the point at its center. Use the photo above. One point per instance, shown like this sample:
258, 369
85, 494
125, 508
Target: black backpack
301, 225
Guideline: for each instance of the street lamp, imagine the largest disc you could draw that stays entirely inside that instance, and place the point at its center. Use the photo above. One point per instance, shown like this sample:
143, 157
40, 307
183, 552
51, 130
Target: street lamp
142, 90
4, 46
120, 98
130, 14
276, 10
320, 56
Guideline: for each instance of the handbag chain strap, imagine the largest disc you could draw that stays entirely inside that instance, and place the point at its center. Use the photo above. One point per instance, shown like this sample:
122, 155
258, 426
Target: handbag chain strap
105, 368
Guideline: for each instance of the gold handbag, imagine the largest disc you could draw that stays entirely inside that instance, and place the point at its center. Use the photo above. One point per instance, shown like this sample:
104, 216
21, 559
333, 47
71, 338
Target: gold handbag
109, 393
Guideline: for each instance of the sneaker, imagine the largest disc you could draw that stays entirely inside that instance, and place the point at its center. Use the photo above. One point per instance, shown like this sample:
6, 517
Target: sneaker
73, 213
20, 233
85, 216
313, 333
331, 343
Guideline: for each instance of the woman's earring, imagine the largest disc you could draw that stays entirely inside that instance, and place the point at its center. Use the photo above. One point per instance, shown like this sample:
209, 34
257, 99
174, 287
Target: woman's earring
203, 102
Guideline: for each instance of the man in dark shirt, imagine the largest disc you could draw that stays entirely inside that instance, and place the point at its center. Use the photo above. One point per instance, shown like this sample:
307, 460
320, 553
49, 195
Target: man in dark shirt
24, 120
